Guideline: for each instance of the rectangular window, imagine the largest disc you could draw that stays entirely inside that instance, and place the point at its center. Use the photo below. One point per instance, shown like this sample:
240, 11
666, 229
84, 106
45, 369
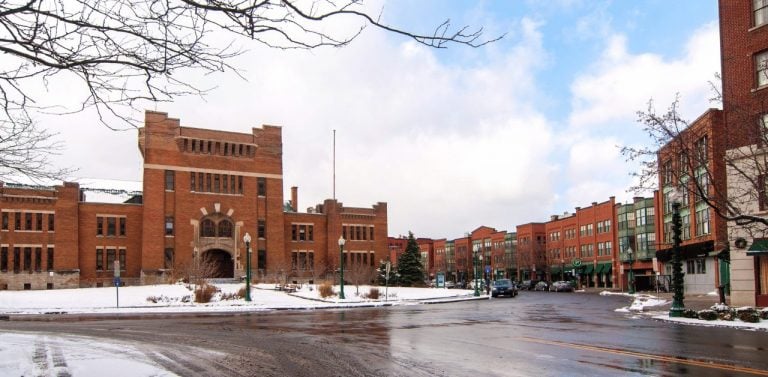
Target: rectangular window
122, 259
239, 184
302, 233
49, 262
122, 226
294, 260
192, 186
701, 266
667, 172
225, 184
232, 184
4, 259
169, 180
262, 230
169, 226
207, 182
294, 232
27, 221
760, 12
690, 267
16, 260
344, 232
38, 259
17, 221
702, 222
261, 186
5, 221
200, 182
216, 183
28, 259
110, 259
761, 68
262, 260
701, 151
111, 231
51, 223
168, 258
99, 259
686, 227
311, 232
99, 226
39, 222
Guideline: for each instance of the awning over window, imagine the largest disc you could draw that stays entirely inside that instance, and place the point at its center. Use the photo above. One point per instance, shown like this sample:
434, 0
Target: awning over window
588, 269
603, 268
695, 250
607, 267
759, 246
554, 270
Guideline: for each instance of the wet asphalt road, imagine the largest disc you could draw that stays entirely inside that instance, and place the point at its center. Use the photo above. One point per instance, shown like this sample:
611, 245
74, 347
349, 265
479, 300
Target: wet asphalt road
534, 334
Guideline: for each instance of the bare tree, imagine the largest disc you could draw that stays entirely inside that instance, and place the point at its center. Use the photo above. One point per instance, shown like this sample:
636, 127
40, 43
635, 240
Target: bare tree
317, 270
25, 151
359, 273
197, 272
707, 170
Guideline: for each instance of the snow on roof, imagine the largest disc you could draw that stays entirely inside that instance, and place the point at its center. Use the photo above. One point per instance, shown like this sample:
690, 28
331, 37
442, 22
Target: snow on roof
109, 190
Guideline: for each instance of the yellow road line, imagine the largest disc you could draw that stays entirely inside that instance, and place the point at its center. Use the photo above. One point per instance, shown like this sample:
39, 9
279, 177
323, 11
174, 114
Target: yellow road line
670, 359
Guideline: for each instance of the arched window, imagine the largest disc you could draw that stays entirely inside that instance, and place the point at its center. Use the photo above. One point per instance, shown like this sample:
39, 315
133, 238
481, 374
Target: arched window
208, 229
225, 228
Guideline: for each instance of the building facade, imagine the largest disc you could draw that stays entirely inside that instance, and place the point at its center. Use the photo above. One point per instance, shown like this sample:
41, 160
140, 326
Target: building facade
203, 191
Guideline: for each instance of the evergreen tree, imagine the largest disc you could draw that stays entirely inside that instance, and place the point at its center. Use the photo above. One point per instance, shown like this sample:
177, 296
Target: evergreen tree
409, 268
382, 276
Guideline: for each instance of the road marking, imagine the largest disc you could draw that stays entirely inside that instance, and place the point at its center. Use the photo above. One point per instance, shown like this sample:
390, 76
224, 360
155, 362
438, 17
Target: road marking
670, 359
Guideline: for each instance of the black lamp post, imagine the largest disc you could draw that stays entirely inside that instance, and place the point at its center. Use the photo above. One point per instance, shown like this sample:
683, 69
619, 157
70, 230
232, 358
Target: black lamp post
474, 278
341, 264
631, 275
562, 269
247, 239
678, 306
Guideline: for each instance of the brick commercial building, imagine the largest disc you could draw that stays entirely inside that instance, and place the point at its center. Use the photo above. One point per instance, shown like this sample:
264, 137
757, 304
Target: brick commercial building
203, 190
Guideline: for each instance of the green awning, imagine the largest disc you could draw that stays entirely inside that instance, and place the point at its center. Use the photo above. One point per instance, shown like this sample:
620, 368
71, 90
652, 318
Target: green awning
599, 269
554, 269
607, 267
759, 246
588, 269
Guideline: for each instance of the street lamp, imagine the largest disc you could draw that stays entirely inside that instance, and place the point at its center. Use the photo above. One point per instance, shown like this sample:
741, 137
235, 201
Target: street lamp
341, 264
678, 306
562, 269
631, 276
474, 277
247, 239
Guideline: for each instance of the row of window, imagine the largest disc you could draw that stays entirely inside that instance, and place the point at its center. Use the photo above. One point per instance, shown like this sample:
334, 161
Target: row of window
357, 232
215, 183
28, 221
110, 226
218, 148
358, 258
695, 266
111, 253
25, 259
303, 232
303, 260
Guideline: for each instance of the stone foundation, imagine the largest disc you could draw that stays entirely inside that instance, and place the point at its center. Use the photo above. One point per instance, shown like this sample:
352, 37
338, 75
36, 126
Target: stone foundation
39, 280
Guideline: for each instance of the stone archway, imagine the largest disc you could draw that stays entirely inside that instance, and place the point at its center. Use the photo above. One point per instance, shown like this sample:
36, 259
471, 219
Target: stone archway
221, 263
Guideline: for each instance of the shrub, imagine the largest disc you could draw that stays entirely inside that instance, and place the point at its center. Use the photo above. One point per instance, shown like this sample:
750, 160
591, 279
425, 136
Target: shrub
745, 309
690, 313
325, 290
241, 291
764, 314
708, 315
729, 315
204, 293
749, 316
373, 293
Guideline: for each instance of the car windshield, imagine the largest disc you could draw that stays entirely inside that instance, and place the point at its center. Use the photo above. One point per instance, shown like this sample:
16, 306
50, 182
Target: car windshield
502, 282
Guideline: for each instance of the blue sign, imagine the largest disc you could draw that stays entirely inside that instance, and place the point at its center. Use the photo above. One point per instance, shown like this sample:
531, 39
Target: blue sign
117, 282
487, 269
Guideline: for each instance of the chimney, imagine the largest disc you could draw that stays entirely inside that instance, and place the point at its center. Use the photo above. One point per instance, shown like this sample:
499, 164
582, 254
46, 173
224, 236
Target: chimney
553, 218
295, 198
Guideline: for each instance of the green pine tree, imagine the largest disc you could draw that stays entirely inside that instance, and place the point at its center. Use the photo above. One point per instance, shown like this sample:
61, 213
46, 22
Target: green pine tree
382, 276
409, 268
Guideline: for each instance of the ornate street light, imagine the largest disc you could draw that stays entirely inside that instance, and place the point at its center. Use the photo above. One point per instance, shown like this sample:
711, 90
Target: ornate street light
477, 251
342, 241
678, 306
247, 239
631, 276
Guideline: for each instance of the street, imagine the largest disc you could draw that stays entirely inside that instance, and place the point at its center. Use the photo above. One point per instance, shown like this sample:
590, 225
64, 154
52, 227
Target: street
536, 333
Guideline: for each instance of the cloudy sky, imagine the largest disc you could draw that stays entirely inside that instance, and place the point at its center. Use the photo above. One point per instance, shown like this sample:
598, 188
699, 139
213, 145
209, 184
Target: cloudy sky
452, 139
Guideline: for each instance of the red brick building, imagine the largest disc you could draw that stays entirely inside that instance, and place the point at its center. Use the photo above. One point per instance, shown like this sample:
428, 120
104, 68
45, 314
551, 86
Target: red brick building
203, 190
532, 261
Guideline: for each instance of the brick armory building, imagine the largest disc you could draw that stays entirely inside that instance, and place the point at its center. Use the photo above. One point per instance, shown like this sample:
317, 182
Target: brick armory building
203, 190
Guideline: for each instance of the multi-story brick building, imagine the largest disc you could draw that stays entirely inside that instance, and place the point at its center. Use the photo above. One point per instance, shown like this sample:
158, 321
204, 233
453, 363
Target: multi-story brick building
694, 159
532, 261
744, 65
203, 190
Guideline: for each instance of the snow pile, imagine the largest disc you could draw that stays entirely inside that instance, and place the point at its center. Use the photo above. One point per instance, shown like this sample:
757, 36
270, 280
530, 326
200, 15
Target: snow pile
640, 303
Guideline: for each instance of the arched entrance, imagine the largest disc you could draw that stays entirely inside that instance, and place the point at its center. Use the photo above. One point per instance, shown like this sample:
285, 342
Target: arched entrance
219, 263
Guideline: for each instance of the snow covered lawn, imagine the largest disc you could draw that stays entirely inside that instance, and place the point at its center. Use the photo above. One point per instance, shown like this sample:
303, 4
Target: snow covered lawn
178, 298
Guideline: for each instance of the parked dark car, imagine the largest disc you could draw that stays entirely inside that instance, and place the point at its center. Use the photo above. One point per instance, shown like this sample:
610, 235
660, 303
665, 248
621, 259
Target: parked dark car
561, 286
503, 287
528, 285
